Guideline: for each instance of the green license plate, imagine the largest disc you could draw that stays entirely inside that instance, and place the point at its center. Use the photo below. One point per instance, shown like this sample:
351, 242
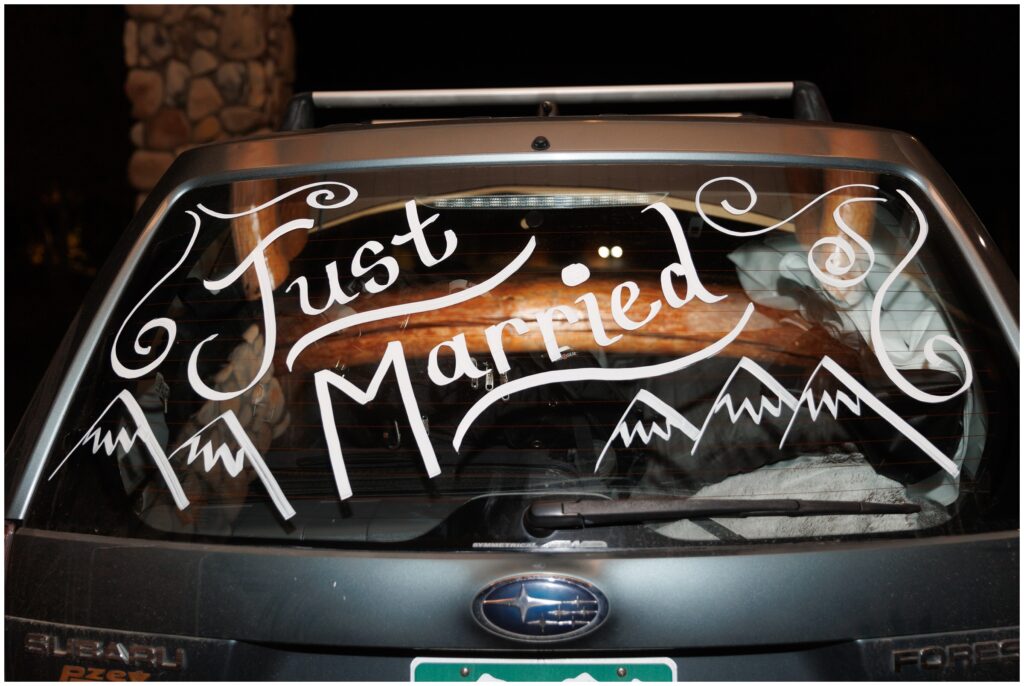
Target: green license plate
625, 670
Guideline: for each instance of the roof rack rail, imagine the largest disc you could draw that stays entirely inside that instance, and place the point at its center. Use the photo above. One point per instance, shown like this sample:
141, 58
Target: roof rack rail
808, 103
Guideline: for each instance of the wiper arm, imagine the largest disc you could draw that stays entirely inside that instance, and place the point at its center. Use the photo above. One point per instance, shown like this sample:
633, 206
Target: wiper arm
577, 514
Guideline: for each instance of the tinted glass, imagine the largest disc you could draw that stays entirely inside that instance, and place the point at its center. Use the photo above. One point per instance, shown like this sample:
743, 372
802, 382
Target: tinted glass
411, 357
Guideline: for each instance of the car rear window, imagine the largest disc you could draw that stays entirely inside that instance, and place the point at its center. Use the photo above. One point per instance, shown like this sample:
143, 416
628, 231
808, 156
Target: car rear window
409, 357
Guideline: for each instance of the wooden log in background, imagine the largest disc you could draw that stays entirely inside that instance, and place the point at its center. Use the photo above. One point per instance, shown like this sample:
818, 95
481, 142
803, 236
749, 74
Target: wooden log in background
768, 336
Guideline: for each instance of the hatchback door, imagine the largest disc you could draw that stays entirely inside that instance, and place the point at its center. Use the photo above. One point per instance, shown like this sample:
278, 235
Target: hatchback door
766, 400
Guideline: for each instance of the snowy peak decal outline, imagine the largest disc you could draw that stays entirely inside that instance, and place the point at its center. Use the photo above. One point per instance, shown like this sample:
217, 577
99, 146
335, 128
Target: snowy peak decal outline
673, 420
108, 441
860, 394
851, 395
783, 398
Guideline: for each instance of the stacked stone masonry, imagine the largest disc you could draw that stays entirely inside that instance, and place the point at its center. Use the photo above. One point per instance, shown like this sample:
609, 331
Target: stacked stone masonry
202, 73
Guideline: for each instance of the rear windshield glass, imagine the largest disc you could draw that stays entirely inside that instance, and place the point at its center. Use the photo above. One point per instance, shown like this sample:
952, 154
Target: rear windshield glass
415, 357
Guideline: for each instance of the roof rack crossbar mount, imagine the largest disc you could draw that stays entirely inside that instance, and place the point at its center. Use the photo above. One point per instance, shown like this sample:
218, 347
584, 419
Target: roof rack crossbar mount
462, 97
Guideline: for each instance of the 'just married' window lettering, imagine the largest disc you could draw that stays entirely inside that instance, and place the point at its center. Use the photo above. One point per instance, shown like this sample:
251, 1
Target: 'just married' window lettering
704, 320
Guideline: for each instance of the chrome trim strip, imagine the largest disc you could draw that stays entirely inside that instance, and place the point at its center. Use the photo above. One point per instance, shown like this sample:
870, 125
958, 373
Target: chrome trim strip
688, 92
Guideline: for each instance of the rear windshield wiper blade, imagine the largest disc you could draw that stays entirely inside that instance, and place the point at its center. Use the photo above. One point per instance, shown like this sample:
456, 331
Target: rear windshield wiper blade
577, 514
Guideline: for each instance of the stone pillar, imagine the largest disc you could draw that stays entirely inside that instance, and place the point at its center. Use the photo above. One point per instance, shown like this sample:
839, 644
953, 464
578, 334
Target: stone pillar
202, 73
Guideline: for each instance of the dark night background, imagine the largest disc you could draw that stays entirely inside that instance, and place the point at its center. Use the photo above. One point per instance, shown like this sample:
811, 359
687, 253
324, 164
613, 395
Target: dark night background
948, 75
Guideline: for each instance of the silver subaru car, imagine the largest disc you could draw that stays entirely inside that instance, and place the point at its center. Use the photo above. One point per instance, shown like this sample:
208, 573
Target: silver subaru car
546, 397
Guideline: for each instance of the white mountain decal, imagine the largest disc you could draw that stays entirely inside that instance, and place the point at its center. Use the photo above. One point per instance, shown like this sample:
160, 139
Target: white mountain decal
108, 442
772, 406
672, 420
851, 396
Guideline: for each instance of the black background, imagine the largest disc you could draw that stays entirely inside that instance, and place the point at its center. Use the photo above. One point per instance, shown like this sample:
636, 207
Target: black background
948, 75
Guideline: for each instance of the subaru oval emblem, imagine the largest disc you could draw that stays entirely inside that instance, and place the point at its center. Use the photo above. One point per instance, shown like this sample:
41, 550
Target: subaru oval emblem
540, 607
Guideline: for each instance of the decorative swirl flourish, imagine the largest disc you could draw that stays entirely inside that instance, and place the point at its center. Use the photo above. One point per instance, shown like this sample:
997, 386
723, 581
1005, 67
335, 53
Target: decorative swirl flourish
256, 260
318, 199
843, 257
841, 261
158, 323
728, 207
878, 343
